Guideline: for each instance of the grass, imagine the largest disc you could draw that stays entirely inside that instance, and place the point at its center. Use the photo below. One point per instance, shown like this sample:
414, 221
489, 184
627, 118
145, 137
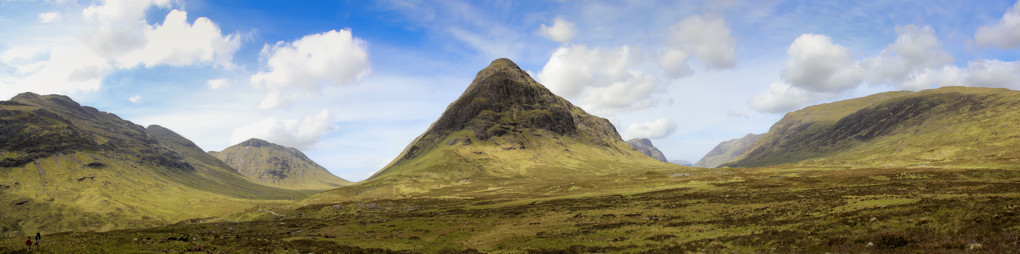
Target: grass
709, 210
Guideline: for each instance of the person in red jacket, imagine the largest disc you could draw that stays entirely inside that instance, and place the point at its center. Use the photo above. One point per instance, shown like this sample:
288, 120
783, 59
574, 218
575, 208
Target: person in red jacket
28, 243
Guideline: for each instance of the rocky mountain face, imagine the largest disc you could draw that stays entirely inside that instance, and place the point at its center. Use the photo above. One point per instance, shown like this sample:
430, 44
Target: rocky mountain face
279, 166
945, 126
507, 126
64, 166
727, 151
645, 146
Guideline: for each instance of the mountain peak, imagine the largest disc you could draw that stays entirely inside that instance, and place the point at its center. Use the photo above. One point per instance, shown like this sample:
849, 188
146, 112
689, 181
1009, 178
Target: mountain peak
505, 113
255, 142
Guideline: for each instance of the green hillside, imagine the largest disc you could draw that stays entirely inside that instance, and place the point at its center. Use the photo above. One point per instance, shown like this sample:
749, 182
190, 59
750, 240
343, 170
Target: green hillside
727, 151
949, 126
66, 167
278, 166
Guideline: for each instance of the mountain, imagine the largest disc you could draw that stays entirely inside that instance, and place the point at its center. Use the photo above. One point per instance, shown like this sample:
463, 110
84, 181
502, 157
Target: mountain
682, 163
645, 146
278, 166
966, 126
67, 167
727, 151
504, 127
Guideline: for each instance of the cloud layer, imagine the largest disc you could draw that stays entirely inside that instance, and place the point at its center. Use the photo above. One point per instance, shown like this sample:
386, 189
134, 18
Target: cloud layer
602, 81
1005, 34
300, 133
659, 128
560, 31
706, 38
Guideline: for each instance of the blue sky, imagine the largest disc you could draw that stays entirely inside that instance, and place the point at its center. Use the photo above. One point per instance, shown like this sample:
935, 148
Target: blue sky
353, 82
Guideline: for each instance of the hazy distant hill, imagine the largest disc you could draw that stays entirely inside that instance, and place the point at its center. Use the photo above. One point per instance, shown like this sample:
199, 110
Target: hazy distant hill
68, 167
279, 166
682, 162
945, 126
505, 126
645, 146
727, 151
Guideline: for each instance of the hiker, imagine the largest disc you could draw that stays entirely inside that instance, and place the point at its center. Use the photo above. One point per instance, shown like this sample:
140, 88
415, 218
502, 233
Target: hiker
28, 243
37, 237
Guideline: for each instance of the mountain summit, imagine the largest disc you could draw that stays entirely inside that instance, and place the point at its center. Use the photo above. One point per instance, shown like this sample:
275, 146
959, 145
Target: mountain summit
645, 146
507, 125
278, 166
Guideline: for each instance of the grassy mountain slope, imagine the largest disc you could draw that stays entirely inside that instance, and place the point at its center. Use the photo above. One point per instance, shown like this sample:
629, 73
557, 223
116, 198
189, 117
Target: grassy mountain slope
278, 166
727, 151
504, 128
68, 167
645, 146
939, 127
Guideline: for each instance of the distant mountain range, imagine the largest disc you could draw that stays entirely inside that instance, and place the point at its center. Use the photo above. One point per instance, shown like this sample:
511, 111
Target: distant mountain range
945, 126
278, 166
66, 167
727, 151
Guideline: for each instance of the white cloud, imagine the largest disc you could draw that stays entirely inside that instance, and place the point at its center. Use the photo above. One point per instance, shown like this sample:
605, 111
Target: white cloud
816, 64
135, 99
992, 73
304, 66
177, 43
217, 83
561, 31
602, 81
114, 35
915, 50
706, 38
782, 97
301, 133
1005, 34
659, 128
48, 17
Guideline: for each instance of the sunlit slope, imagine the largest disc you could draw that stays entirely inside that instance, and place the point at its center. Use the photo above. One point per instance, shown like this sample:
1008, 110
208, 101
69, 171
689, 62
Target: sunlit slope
727, 151
940, 127
278, 166
506, 127
67, 167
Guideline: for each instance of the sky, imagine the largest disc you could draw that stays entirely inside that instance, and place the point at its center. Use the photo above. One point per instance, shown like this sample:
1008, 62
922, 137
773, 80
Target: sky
351, 83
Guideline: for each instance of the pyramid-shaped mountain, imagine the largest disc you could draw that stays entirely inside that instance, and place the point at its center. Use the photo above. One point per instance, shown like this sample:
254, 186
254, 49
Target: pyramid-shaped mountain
508, 126
278, 166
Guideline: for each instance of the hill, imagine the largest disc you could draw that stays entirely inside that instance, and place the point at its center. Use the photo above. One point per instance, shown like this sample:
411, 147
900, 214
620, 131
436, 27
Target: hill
727, 151
682, 163
67, 167
645, 146
948, 126
504, 128
278, 166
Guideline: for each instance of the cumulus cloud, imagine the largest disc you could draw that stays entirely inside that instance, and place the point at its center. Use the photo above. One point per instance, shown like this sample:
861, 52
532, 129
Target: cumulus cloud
659, 128
1005, 34
177, 43
135, 99
217, 83
115, 36
816, 64
601, 81
300, 133
915, 50
304, 66
989, 73
49, 17
706, 38
560, 31
783, 97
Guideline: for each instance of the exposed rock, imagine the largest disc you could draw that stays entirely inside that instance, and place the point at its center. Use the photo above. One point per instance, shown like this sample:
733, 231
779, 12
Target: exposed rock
645, 146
